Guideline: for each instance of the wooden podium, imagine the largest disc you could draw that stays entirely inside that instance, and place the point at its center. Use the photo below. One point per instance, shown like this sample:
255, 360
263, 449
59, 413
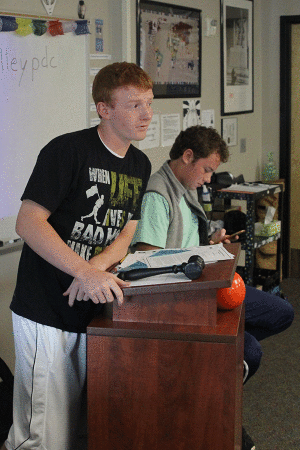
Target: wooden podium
165, 372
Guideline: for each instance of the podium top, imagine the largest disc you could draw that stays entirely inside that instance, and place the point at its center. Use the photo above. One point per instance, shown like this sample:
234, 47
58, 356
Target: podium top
214, 276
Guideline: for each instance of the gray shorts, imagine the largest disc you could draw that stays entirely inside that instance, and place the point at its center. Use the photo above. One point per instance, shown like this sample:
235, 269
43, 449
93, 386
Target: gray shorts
50, 377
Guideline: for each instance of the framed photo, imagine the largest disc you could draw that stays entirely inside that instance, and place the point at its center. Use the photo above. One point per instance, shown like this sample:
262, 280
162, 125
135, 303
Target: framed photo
169, 48
237, 91
229, 131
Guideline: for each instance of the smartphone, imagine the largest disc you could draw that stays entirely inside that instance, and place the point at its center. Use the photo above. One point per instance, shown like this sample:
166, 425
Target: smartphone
232, 236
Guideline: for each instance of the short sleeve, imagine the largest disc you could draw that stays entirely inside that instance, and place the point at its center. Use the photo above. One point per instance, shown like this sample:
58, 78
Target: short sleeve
52, 176
153, 227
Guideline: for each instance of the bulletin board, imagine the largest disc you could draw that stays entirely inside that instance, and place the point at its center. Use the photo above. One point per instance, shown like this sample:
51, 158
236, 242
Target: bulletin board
43, 94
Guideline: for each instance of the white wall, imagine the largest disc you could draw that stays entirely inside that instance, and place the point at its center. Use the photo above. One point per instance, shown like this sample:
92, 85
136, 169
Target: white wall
270, 32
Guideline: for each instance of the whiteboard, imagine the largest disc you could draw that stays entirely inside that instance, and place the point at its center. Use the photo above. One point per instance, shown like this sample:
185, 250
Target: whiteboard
43, 94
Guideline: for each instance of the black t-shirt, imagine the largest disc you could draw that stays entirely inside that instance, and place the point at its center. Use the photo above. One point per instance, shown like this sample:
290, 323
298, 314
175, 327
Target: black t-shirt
91, 194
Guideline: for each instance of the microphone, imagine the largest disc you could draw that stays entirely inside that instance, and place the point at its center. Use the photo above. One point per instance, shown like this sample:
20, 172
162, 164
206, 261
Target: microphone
192, 270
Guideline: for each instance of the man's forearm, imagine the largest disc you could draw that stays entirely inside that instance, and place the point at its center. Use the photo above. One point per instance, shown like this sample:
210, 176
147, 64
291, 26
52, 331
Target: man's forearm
33, 227
117, 249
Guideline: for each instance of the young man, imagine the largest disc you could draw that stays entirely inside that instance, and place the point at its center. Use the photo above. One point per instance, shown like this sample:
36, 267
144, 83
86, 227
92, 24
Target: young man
78, 215
173, 217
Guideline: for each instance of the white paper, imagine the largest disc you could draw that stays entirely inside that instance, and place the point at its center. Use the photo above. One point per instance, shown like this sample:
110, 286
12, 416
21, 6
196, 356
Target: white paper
170, 128
229, 133
208, 118
153, 134
99, 56
161, 279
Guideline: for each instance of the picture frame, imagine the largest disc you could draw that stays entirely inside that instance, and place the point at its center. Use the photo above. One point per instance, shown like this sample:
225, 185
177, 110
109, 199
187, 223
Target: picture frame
169, 48
237, 81
229, 131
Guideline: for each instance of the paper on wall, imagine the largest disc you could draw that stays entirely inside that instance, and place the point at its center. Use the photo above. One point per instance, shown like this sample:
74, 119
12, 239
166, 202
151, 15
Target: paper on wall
170, 128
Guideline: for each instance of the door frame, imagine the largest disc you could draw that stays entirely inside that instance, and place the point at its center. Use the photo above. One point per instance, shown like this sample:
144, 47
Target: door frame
286, 23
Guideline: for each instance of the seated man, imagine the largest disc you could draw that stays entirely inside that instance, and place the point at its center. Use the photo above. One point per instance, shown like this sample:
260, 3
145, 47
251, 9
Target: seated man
173, 217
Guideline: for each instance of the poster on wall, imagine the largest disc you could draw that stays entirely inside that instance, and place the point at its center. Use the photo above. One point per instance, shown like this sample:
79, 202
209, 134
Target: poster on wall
169, 48
191, 113
237, 90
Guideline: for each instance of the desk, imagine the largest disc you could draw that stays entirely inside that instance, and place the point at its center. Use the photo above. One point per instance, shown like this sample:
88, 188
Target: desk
168, 386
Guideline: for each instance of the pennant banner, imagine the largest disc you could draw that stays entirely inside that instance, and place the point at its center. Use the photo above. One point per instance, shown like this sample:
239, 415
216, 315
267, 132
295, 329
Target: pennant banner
55, 28
39, 27
69, 27
9, 23
24, 26
82, 27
